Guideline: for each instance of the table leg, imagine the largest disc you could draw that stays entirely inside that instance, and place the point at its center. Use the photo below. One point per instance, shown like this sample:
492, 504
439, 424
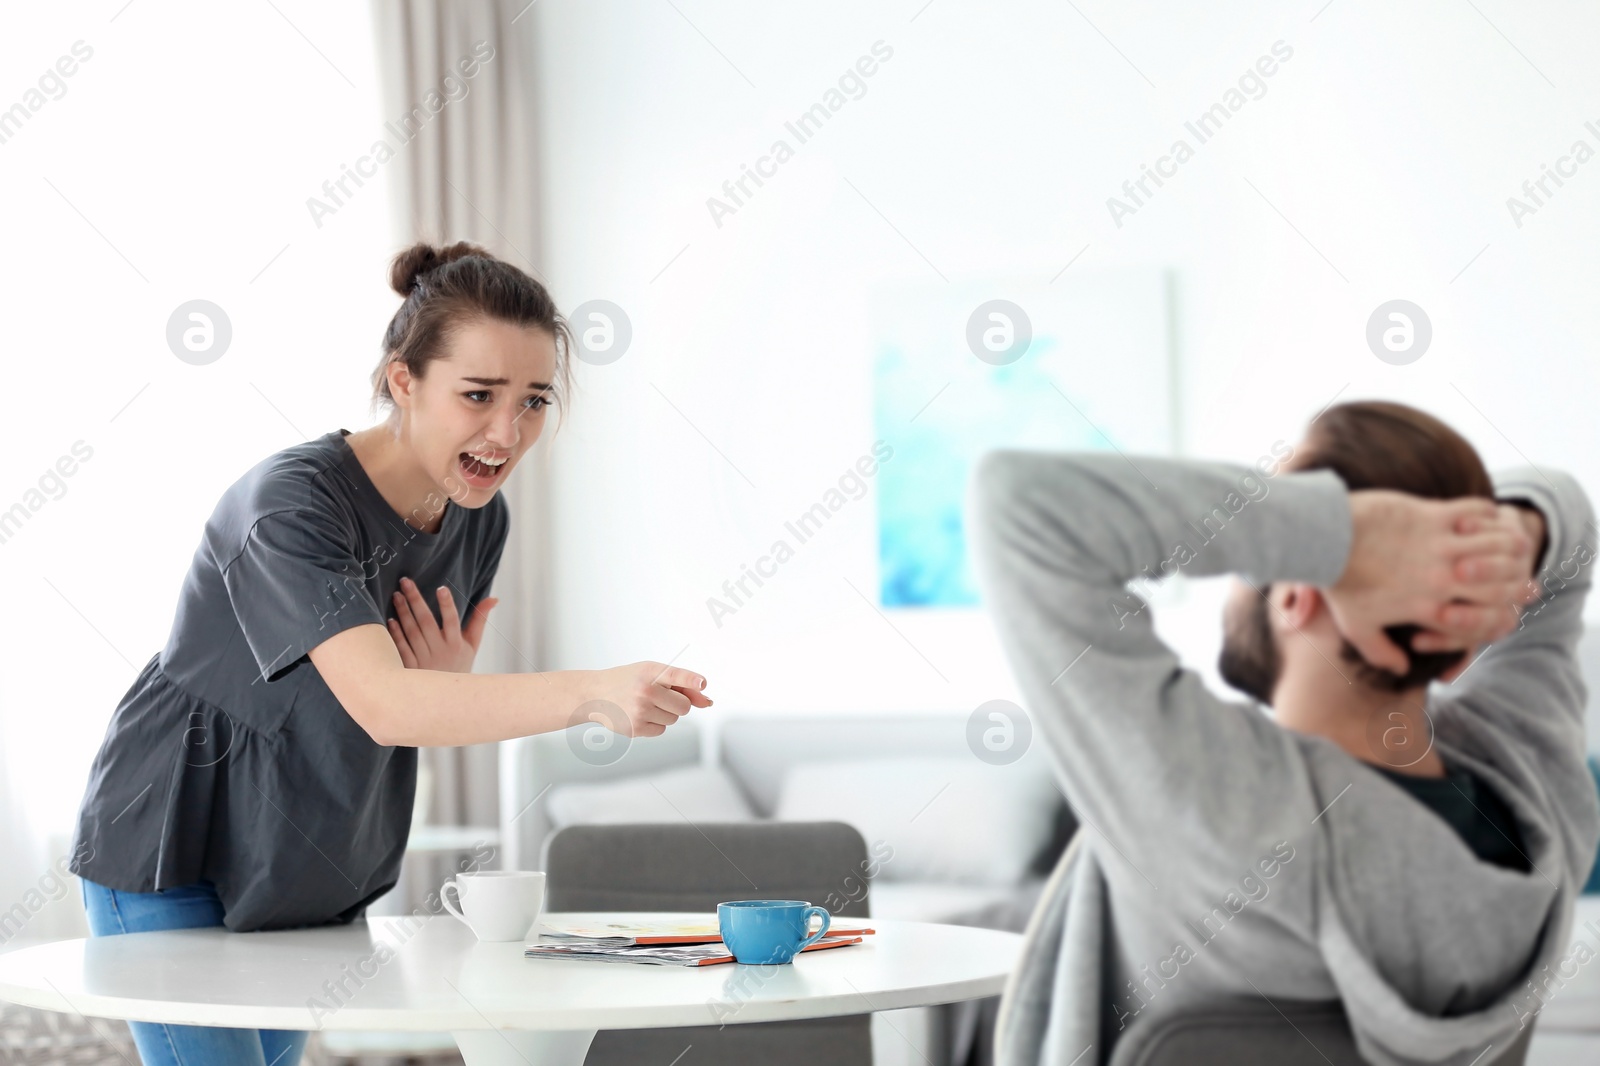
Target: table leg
511, 1047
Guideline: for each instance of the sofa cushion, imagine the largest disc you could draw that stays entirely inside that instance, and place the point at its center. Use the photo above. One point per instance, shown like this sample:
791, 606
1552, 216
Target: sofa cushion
692, 793
945, 819
935, 901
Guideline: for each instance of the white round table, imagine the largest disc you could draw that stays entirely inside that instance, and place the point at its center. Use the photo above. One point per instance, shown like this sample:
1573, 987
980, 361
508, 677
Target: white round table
411, 973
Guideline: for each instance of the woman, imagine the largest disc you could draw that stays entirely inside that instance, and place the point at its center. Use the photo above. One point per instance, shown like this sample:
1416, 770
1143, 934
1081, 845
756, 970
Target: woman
260, 772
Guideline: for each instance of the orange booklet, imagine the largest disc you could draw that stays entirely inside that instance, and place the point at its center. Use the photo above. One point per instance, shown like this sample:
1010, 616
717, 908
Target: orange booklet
691, 929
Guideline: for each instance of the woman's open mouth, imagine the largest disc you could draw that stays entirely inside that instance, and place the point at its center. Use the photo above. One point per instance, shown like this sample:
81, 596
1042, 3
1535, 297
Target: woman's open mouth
481, 473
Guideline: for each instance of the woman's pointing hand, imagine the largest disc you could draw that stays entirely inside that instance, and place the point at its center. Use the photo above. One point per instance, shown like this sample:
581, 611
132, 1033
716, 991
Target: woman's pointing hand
649, 696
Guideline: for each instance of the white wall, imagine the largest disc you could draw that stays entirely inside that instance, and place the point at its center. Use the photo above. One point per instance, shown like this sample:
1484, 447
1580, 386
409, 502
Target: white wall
991, 141
175, 165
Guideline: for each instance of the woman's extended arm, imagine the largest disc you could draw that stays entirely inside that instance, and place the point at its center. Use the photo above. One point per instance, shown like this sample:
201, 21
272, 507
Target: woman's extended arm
425, 708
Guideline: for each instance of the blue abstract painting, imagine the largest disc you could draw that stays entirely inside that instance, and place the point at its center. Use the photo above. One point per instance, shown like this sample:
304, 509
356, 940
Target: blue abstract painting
1095, 374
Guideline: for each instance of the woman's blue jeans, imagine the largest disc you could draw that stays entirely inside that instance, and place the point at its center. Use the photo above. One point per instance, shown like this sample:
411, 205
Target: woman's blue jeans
111, 911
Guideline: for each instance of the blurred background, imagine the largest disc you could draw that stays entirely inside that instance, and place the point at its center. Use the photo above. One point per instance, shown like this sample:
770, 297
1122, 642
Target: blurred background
793, 236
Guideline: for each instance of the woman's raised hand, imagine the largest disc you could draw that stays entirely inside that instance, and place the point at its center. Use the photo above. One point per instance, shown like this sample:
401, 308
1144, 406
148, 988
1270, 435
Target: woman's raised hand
647, 698
425, 645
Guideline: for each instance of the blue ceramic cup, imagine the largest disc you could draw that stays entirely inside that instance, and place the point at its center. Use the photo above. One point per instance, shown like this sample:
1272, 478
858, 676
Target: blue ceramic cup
769, 930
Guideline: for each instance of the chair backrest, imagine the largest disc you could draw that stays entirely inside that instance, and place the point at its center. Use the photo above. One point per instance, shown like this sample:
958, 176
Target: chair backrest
1256, 1033
693, 868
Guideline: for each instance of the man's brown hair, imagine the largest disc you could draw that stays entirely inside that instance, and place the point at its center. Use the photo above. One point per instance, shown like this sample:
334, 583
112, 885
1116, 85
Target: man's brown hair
1376, 444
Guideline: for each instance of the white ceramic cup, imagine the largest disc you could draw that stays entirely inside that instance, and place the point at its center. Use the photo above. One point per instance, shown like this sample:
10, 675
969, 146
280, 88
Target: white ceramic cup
497, 904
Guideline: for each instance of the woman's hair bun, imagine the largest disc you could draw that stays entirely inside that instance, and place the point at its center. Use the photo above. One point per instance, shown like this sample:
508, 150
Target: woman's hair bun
410, 265
451, 286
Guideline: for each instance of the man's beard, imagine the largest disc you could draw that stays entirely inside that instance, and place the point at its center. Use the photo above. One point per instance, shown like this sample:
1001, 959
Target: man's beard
1250, 661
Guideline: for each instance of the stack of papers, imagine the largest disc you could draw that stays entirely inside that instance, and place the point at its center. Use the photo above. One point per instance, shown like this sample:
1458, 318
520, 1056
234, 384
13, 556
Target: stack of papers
691, 941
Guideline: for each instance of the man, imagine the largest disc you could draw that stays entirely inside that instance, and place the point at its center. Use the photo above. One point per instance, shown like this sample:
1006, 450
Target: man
1413, 852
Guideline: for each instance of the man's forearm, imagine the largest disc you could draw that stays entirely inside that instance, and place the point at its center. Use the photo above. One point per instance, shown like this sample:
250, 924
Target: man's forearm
1564, 569
1077, 520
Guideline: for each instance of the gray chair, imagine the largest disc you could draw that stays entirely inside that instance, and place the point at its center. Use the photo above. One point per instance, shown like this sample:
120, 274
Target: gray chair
693, 868
1256, 1033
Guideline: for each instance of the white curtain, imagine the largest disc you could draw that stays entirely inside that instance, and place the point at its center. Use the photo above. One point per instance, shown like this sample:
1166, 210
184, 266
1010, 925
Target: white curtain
469, 173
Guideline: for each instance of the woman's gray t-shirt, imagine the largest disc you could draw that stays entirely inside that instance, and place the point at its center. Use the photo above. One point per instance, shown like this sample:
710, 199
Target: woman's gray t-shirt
229, 760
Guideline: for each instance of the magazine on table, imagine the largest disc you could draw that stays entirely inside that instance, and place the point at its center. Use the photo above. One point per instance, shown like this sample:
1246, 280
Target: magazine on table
598, 930
671, 954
